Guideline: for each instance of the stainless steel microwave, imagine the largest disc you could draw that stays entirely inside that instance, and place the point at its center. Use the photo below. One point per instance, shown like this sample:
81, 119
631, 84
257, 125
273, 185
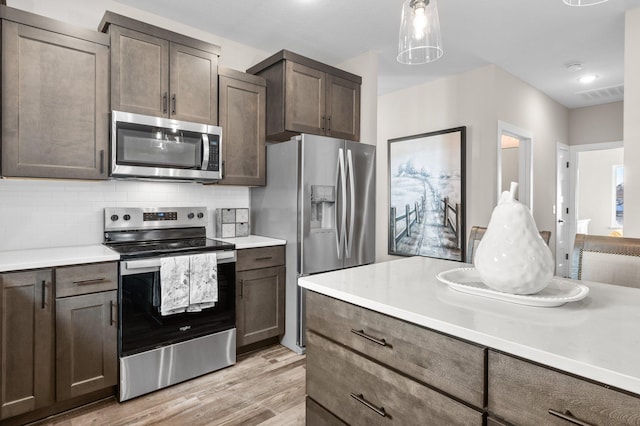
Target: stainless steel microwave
161, 148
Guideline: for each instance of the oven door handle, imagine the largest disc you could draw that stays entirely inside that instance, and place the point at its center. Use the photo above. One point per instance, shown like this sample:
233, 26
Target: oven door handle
222, 257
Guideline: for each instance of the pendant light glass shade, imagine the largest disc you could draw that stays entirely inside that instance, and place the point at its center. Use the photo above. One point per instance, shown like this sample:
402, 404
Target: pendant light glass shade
583, 2
420, 41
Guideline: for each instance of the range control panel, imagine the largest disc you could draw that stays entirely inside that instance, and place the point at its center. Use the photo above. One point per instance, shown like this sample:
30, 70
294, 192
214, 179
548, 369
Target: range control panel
133, 218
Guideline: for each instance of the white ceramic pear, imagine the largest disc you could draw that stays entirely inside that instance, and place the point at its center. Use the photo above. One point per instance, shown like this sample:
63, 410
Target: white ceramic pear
512, 257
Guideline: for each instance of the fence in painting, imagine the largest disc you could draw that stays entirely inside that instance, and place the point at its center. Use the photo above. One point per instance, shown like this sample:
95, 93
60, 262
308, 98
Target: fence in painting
451, 217
401, 226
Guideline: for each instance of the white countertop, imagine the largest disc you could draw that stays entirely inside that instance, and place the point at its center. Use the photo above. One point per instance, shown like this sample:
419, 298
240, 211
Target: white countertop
596, 338
253, 241
16, 260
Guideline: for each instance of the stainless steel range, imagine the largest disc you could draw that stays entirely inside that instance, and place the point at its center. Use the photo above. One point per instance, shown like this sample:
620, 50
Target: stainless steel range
176, 296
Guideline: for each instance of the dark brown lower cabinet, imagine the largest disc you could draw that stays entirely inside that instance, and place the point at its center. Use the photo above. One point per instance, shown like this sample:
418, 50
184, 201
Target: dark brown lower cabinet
524, 393
362, 392
26, 342
86, 339
318, 416
259, 304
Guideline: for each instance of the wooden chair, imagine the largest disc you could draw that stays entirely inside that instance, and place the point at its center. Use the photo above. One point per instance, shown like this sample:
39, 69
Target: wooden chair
477, 232
611, 260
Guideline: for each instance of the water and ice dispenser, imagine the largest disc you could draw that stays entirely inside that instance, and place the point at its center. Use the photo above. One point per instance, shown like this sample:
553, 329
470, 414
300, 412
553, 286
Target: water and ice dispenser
323, 206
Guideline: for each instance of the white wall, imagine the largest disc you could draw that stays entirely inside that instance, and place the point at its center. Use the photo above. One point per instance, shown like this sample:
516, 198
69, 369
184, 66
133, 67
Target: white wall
476, 99
595, 196
596, 124
461, 100
632, 123
526, 107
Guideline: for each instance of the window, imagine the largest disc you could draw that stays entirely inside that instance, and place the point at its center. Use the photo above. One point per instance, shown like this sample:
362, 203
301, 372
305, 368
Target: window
617, 180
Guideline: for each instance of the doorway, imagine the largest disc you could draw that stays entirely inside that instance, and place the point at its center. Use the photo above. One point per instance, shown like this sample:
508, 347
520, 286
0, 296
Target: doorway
515, 161
595, 202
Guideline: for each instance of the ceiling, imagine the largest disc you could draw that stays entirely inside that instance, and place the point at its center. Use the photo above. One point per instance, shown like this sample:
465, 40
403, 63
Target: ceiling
533, 40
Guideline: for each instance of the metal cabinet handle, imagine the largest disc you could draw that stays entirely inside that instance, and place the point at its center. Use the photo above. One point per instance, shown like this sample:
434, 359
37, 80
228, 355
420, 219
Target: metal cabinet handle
360, 398
329, 125
568, 417
111, 306
264, 258
173, 104
164, 103
101, 161
92, 281
322, 123
44, 284
361, 333
241, 289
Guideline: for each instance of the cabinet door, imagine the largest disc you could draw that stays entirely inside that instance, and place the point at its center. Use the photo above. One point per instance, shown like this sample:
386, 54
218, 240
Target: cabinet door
305, 99
26, 339
259, 304
242, 116
55, 106
139, 72
86, 344
194, 85
343, 108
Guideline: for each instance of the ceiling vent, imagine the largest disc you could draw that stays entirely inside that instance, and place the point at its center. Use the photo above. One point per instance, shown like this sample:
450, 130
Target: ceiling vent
603, 94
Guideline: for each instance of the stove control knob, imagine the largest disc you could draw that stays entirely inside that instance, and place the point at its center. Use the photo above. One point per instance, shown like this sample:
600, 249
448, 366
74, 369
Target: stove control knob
114, 217
190, 215
200, 215
126, 217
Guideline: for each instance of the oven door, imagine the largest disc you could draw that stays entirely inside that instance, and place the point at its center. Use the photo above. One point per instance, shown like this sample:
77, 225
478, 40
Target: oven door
142, 328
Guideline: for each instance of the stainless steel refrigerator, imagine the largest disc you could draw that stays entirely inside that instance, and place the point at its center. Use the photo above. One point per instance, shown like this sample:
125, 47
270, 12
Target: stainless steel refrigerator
320, 198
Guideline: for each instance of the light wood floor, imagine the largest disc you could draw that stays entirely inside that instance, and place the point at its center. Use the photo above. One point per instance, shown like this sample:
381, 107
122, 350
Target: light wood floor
264, 388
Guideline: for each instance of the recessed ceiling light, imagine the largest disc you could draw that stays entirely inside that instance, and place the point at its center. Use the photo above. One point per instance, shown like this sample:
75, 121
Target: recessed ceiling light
589, 78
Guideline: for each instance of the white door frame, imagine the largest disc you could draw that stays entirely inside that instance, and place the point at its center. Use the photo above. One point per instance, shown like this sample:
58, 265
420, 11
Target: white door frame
560, 216
525, 186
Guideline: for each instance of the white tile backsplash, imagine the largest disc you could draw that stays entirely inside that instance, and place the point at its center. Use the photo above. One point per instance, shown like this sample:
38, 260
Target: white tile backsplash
51, 213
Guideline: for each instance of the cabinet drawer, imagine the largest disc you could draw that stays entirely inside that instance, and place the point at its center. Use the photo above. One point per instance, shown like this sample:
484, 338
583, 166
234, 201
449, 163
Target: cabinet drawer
449, 364
360, 391
523, 393
85, 279
317, 416
263, 257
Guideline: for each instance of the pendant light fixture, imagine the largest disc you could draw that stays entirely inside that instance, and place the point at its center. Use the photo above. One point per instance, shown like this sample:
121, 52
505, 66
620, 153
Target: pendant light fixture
420, 41
583, 2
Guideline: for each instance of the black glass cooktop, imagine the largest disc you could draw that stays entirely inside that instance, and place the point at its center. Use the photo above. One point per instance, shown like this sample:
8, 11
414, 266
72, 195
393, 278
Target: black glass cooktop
166, 247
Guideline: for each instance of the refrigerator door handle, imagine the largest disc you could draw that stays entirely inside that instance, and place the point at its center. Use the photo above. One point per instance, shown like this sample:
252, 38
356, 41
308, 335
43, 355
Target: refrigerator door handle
340, 234
352, 193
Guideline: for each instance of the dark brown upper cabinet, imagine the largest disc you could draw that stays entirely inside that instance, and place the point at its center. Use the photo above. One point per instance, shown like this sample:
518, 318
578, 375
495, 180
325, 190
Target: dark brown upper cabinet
306, 96
161, 73
55, 104
242, 106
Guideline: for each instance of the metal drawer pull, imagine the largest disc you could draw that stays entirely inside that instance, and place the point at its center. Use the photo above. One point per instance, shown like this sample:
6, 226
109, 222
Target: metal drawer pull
264, 258
361, 333
568, 417
360, 398
111, 305
43, 290
241, 289
92, 281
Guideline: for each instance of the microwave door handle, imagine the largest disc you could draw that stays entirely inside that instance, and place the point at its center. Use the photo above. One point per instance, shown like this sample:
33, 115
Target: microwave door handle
205, 151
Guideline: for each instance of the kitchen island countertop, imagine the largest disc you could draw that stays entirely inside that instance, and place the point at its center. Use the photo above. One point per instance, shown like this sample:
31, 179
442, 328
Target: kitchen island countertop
597, 338
17, 260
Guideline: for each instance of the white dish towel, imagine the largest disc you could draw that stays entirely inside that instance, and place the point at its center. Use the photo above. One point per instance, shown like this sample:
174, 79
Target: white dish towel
174, 284
203, 279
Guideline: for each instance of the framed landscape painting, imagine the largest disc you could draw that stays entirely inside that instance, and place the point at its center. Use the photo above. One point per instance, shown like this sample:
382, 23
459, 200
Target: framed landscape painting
427, 194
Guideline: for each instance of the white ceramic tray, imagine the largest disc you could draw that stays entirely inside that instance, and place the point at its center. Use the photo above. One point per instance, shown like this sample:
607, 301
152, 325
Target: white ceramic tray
557, 293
